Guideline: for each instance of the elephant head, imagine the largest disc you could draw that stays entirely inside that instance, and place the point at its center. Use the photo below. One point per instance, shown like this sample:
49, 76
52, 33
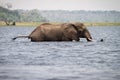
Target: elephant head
82, 31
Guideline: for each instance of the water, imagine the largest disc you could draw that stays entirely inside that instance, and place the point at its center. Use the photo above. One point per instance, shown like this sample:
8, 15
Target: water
25, 60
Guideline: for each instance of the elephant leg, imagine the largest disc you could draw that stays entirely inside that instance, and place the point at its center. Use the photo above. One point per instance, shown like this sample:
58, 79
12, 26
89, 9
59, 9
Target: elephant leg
75, 37
66, 39
36, 40
71, 37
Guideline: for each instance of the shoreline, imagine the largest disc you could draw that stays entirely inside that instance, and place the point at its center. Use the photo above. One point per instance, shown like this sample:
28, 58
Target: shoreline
86, 23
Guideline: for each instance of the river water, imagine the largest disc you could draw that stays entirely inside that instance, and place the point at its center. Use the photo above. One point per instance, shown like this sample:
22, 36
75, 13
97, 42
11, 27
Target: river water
25, 60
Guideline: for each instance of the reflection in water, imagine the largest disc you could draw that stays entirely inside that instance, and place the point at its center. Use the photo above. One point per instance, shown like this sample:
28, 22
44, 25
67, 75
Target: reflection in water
25, 60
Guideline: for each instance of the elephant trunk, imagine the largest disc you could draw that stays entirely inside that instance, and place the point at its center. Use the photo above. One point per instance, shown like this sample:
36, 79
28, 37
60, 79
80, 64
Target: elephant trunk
88, 36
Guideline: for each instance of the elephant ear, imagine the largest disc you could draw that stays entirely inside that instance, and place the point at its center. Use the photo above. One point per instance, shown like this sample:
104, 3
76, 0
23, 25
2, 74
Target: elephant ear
79, 26
70, 32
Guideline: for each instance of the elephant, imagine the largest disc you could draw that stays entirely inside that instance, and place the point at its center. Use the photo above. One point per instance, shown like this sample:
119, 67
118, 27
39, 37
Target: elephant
59, 32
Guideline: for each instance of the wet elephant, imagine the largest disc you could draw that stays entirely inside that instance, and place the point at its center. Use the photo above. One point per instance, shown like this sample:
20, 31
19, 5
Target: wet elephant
82, 30
59, 32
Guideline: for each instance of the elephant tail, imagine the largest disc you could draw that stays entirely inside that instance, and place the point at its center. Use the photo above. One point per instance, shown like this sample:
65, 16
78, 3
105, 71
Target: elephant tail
20, 37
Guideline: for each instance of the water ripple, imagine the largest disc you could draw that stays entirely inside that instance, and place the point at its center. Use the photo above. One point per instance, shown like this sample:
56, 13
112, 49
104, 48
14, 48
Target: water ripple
25, 60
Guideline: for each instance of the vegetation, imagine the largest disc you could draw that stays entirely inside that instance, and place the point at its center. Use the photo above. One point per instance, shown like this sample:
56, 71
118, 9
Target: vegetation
36, 17
10, 17
81, 16
86, 23
31, 16
102, 23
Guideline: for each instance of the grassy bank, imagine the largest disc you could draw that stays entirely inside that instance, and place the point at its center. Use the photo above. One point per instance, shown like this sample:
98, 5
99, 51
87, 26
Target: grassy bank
86, 23
102, 23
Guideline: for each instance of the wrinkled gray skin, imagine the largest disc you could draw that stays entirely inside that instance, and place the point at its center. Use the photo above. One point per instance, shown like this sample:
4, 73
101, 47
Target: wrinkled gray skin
59, 32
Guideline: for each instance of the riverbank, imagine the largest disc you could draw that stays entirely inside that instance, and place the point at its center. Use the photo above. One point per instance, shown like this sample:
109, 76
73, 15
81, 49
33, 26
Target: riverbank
86, 23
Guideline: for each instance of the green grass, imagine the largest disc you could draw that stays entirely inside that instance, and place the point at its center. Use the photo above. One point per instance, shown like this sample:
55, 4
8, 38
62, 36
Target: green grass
86, 23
